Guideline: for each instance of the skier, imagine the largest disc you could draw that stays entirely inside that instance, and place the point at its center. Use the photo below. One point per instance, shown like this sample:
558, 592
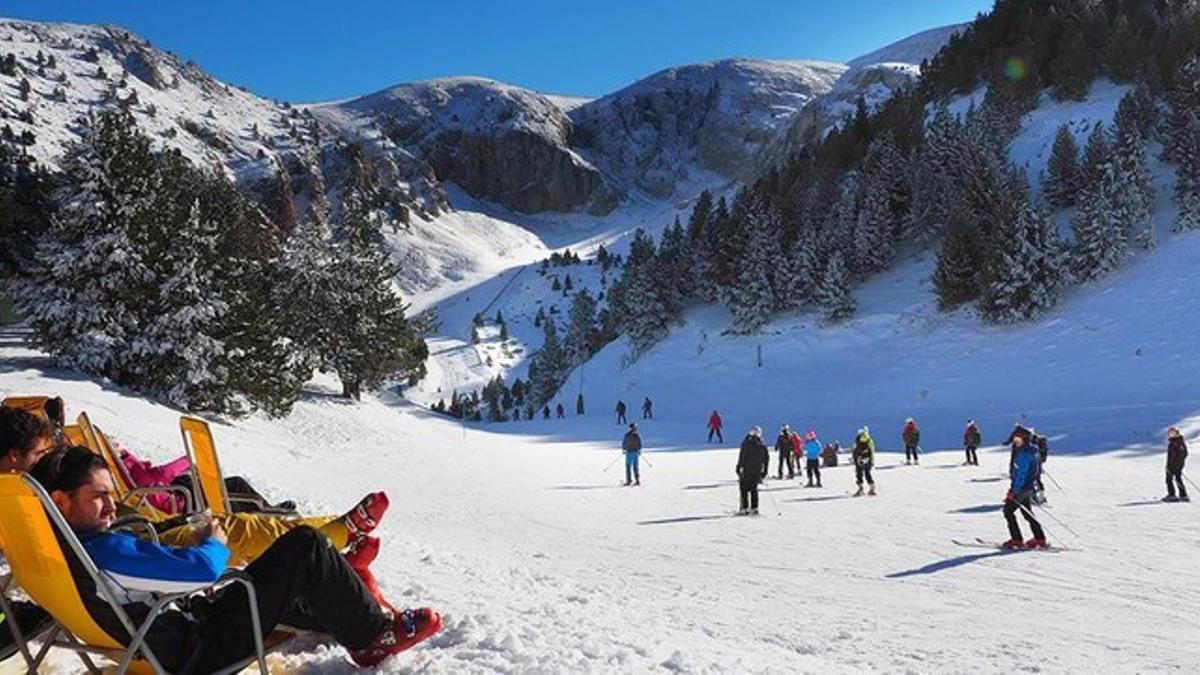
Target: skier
558, 410
1176, 456
546, 412
1018, 428
647, 409
579, 404
912, 441
830, 454
783, 445
812, 452
971, 440
621, 413
754, 462
516, 414
863, 456
529, 411
714, 427
797, 451
631, 445
1020, 493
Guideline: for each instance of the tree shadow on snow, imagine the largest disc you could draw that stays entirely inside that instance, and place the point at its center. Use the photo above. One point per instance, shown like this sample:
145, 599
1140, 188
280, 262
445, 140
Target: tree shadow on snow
949, 563
684, 519
982, 508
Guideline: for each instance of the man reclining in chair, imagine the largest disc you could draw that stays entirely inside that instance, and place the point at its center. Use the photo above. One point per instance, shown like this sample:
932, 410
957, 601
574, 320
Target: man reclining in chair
301, 581
24, 437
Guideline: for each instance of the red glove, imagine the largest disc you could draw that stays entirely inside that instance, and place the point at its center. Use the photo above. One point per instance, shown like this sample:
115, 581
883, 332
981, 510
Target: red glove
1009, 497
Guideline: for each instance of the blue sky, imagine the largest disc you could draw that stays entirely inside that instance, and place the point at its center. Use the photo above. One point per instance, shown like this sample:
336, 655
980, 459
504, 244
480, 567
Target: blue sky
305, 50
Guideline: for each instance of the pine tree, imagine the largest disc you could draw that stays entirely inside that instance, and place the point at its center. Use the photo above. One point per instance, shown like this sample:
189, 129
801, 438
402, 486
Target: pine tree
752, 299
1028, 277
1100, 242
581, 322
1072, 69
958, 277
833, 293
1187, 178
551, 366
1184, 99
873, 245
797, 274
1061, 185
1134, 195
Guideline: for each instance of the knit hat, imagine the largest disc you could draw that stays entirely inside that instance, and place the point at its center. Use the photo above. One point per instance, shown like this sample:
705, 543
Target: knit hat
756, 431
1173, 432
811, 435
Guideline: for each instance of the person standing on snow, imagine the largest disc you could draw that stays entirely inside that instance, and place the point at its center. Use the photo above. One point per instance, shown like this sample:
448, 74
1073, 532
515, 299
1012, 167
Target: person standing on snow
631, 445
754, 462
1042, 445
1018, 429
971, 440
783, 445
797, 451
621, 413
812, 452
558, 410
714, 427
912, 441
863, 457
829, 456
647, 409
1176, 456
1020, 493
579, 404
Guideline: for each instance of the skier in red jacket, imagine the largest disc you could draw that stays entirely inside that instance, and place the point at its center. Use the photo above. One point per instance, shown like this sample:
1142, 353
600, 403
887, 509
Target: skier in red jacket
714, 427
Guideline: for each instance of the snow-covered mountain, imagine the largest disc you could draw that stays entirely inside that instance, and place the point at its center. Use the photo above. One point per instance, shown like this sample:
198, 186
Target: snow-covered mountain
873, 76
658, 134
73, 70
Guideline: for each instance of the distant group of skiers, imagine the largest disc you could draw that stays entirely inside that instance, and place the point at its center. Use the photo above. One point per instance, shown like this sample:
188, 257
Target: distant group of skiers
647, 410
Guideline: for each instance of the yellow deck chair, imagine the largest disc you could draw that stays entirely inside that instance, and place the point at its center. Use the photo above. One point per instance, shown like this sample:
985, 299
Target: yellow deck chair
74, 435
127, 492
206, 468
41, 550
46, 407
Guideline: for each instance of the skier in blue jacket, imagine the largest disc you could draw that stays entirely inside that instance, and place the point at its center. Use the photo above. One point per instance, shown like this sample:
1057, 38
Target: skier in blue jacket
301, 581
1026, 469
812, 455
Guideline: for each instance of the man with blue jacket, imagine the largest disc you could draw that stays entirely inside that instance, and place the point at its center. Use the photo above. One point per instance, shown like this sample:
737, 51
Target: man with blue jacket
1026, 468
301, 581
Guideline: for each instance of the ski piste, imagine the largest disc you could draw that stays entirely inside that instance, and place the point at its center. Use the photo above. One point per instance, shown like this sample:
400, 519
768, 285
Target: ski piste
983, 543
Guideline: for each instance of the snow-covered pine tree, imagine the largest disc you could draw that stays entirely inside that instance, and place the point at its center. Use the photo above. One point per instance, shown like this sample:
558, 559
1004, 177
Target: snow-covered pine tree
581, 324
751, 300
1184, 99
1100, 241
1134, 196
672, 264
1187, 178
873, 245
938, 169
1097, 154
699, 240
833, 293
551, 365
1025, 283
1061, 185
797, 273
958, 277
648, 314
373, 340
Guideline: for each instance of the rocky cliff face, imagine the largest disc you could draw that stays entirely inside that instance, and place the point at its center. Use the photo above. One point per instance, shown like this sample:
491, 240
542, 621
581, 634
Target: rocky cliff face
501, 143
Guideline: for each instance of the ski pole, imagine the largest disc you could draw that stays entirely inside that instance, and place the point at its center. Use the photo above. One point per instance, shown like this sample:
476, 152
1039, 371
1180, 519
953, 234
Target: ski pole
610, 464
1189, 480
1047, 475
647, 461
774, 503
1047, 512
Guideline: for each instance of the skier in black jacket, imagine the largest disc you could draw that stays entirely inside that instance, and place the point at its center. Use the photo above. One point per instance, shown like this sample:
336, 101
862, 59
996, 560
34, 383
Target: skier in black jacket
1176, 456
783, 445
754, 461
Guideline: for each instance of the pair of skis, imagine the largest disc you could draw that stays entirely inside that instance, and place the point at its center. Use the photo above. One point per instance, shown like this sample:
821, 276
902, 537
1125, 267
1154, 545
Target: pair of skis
994, 545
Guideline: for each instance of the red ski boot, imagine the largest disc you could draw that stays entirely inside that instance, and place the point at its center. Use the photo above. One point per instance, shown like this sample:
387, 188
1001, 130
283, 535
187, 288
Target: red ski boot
1012, 544
1037, 543
402, 631
362, 552
365, 516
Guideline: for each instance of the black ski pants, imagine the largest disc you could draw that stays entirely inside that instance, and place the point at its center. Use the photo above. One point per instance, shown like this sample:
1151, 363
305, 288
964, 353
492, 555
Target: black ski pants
717, 431
748, 485
785, 459
862, 471
234, 485
1023, 504
300, 581
813, 469
1175, 476
972, 455
621, 417
910, 452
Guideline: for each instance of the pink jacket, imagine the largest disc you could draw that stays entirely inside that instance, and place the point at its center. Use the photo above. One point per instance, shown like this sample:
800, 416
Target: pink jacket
145, 474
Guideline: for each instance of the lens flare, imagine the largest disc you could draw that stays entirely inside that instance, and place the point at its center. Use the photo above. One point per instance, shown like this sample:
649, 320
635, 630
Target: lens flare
1015, 68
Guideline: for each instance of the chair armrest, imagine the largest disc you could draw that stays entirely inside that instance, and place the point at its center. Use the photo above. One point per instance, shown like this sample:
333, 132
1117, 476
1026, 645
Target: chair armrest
135, 522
